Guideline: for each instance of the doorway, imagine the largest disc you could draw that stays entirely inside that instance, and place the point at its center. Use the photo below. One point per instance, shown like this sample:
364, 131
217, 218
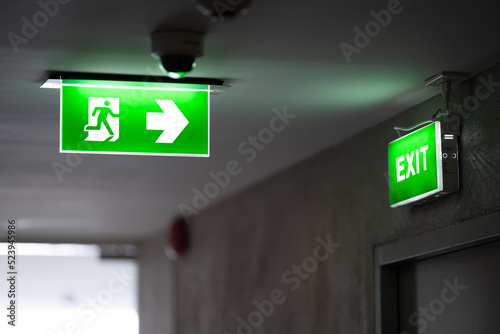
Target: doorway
445, 281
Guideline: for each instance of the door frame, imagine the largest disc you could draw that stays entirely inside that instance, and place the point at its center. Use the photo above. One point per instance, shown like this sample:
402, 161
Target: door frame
449, 239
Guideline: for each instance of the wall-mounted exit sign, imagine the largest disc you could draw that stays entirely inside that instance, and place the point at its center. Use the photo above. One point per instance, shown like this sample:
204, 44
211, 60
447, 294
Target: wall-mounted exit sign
423, 165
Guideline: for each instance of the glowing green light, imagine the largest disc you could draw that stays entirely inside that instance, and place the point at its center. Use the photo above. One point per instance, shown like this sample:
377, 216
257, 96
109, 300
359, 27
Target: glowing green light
415, 167
176, 75
137, 118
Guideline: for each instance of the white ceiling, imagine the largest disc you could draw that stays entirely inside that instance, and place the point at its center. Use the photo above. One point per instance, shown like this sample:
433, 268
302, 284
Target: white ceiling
280, 54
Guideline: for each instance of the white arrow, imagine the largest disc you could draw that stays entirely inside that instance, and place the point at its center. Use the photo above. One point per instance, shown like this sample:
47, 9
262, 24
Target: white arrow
171, 121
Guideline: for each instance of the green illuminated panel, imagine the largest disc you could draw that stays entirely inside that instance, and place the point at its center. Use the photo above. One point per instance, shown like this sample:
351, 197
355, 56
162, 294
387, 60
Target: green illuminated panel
109, 117
415, 168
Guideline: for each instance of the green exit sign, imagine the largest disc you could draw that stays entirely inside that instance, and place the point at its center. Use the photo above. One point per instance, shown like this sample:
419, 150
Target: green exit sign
135, 118
416, 162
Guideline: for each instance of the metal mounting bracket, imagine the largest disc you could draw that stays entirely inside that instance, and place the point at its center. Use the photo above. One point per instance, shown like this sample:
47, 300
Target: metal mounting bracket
445, 79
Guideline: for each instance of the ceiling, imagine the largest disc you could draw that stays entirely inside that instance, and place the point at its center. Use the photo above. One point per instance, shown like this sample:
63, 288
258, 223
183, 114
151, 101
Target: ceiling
281, 54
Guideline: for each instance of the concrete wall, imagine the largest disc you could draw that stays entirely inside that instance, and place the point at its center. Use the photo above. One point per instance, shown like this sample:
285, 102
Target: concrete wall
242, 248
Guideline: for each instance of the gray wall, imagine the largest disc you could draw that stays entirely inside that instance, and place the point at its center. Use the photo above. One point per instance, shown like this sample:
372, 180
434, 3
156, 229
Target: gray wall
242, 248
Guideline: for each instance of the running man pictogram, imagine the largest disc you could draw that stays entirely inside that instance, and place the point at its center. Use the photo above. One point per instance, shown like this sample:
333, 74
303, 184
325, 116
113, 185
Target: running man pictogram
99, 110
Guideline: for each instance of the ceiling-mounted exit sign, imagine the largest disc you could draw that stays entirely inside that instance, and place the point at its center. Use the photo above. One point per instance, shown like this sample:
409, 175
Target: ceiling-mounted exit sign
423, 165
134, 118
